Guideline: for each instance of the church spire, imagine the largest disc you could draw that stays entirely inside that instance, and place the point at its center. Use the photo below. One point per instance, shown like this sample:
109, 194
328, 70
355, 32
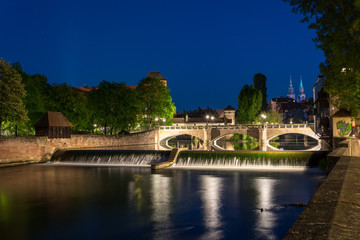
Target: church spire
291, 90
301, 84
301, 95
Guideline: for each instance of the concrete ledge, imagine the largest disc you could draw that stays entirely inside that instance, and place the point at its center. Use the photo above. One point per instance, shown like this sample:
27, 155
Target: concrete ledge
334, 210
162, 165
172, 159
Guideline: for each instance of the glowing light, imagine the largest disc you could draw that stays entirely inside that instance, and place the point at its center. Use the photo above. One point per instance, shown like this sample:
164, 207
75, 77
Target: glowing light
266, 219
211, 195
161, 192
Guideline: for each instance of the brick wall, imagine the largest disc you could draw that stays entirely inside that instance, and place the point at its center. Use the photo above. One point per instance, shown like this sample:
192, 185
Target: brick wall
34, 148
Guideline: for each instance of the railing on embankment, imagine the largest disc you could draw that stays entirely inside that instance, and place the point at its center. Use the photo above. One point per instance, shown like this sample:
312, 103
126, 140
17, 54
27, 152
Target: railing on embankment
333, 212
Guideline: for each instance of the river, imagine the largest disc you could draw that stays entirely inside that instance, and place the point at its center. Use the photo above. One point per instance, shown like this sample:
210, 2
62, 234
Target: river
54, 201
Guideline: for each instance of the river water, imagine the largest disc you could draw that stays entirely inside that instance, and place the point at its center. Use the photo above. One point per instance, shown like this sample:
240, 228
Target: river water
54, 201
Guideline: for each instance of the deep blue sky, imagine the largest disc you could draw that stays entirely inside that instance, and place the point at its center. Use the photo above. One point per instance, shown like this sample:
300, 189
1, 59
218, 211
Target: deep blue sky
206, 49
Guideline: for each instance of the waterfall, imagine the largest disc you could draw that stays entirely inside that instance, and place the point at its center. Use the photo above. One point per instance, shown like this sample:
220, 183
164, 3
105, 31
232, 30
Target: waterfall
243, 161
110, 157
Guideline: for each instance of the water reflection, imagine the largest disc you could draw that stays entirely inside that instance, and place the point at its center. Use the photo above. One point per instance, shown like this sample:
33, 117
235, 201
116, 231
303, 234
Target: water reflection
237, 142
211, 196
265, 188
186, 141
55, 202
293, 141
161, 201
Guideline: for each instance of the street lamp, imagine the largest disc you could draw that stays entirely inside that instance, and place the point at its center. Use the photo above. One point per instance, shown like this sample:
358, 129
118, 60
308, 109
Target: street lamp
263, 117
207, 120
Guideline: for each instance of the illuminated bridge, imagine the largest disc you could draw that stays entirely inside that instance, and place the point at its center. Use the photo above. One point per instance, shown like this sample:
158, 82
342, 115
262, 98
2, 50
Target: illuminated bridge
211, 134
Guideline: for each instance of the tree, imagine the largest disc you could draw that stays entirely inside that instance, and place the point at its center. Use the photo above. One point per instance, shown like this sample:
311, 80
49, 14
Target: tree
37, 90
337, 25
271, 117
250, 101
63, 98
12, 93
114, 105
156, 101
260, 84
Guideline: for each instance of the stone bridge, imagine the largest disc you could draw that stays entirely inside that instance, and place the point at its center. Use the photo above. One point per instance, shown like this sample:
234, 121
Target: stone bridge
211, 134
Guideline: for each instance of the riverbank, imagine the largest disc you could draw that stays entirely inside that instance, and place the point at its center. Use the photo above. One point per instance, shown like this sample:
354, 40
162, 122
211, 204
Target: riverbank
22, 149
334, 210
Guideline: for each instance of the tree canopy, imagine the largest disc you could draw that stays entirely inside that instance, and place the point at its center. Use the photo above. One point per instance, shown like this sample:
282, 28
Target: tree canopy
111, 105
260, 84
337, 25
12, 93
63, 98
114, 105
36, 99
250, 101
270, 117
156, 102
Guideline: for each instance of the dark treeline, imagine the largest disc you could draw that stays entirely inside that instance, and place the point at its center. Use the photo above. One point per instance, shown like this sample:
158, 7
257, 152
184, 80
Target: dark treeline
112, 107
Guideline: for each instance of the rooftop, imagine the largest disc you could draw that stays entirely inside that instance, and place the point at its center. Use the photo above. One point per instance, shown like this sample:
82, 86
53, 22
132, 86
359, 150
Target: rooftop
53, 119
156, 75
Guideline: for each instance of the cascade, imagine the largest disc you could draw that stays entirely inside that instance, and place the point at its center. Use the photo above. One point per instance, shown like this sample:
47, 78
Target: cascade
245, 161
110, 157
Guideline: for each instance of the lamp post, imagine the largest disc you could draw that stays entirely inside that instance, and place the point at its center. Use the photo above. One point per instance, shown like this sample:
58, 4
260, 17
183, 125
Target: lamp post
156, 121
263, 117
207, 120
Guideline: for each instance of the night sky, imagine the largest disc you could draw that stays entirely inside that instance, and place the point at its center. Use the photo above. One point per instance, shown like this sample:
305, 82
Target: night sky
206, 49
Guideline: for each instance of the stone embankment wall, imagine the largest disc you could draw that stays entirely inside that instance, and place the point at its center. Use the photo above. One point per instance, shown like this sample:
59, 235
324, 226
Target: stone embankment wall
333, 212
36, 148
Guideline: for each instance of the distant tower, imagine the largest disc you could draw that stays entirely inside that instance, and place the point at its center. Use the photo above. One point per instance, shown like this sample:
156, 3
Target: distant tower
291, 90
159, 76
301, 95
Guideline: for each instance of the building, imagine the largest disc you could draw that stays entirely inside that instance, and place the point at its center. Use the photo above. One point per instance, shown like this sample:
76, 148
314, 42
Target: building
53, 125
301, 94
321, 108
292, 111
158, 75
206, 117
291, 93
229, 115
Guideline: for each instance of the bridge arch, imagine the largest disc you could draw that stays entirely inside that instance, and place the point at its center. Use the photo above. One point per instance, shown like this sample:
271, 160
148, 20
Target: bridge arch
166, 133
165, 141
307, 134
214, 142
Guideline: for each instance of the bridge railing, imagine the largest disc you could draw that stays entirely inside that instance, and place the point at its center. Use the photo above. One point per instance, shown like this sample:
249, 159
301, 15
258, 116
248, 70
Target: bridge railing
242, 126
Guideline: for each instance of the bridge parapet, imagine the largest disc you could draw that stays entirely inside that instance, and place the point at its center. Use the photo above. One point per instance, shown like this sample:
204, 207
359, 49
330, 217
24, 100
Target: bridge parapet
211, 133
242, 126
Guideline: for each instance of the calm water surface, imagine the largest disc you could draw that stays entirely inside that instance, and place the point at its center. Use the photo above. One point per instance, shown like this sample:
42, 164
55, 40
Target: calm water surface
60, 202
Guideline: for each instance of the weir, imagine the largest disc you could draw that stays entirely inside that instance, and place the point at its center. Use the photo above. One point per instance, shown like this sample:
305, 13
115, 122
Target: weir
249, 160
110, 157
190, 159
